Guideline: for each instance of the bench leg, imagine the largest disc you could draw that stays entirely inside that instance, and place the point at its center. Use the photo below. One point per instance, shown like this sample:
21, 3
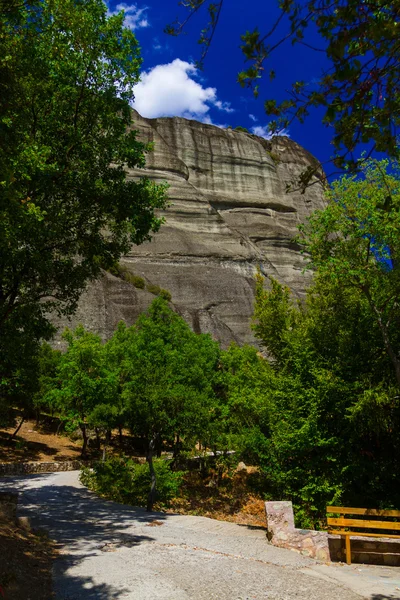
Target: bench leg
348, 550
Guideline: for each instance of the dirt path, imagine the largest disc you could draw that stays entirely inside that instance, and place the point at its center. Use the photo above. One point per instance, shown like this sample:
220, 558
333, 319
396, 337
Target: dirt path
109, 551
37, 443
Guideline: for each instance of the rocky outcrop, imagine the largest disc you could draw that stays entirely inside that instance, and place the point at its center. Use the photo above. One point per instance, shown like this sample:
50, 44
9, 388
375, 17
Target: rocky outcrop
229, 214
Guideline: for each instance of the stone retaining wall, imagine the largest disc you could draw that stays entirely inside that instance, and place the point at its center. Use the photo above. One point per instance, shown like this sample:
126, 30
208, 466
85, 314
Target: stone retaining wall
39, 467
318, 544
283, 533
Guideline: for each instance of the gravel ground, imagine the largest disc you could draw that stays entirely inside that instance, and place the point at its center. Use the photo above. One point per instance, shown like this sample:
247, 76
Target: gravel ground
111, 551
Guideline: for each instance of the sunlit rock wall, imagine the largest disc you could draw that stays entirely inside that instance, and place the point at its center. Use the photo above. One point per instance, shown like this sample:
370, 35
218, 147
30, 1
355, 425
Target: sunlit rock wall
229, 214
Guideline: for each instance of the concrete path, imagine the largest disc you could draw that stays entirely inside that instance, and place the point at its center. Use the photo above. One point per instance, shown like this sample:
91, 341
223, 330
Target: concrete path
111, 551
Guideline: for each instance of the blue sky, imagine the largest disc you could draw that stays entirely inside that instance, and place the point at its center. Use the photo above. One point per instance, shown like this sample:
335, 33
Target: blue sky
171, 85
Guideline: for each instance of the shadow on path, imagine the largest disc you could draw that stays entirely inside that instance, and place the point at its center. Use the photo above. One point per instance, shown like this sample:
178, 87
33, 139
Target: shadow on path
83, 526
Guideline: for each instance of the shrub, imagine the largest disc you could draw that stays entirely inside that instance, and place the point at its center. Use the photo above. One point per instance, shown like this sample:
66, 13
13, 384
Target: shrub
114, 269
123, 480
168, 482
158, 291
242, 129
135, 280
166, 295
123, 272
153, 289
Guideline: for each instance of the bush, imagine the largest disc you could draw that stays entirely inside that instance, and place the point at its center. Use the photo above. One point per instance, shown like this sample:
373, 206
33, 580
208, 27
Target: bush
123, 480
135, 280
123, 272
242, 129
166, 295
158, 291
153, 289
114, 269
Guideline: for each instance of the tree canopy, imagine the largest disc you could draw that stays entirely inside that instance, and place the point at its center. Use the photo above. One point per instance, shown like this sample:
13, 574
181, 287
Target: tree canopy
334, 406
67, 73
354, 242
169, 392
359, 91
86, 387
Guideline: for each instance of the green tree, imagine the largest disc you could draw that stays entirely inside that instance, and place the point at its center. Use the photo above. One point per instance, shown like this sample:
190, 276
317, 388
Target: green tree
332, 408
355, 243
19, 364
117, 349
169, 392
48, 362
67, 73
243, 385
86, 387
358, 92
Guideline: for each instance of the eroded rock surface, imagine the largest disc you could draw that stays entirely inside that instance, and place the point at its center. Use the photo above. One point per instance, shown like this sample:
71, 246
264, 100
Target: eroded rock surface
229, 214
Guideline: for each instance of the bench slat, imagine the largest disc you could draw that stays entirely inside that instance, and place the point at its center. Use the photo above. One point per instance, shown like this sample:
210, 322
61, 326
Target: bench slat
342, 522
373, 512
362, 534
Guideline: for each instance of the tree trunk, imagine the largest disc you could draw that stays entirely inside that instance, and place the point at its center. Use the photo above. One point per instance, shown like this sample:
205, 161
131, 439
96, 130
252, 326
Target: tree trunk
12, 437
158, 446
37, 417
106, 444
120, 435
153, 488
98, 440
85, 440
177, 452
177, 446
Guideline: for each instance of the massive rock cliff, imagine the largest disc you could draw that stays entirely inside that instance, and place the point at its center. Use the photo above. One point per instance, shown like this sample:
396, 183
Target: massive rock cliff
229, 214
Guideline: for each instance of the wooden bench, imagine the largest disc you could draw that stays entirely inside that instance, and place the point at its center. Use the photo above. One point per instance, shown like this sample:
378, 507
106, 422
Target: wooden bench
345, 526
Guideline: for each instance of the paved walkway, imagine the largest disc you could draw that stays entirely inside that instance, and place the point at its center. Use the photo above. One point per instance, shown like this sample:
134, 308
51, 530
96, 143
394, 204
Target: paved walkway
111, 551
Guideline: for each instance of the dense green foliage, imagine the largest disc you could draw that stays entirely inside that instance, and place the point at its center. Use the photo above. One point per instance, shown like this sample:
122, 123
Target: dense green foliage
67, 73
359, 92
156, 378
317, 410
124, 480
86, 387
335, 411
355, 244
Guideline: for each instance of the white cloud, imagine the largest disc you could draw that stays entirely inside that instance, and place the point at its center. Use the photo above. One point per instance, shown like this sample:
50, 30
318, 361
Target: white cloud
253, 118
264, 132
171, 90
225, 106
156, 45
135, 18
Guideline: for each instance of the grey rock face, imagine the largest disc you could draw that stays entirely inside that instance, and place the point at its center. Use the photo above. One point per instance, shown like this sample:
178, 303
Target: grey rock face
229, 215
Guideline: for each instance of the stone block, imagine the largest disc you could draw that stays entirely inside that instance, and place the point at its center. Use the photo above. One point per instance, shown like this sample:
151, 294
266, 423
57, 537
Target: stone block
24, 522
283, 533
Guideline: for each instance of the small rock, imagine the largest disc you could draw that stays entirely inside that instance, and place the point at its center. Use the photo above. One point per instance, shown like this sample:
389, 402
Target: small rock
241, 467
24, 522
